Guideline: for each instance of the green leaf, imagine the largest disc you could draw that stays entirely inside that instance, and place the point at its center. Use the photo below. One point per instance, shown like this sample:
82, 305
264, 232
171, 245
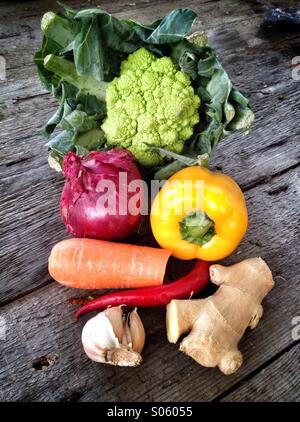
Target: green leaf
78, 121
89, 50
117, 34
207, 64
54, 120
172, 28
59, 29
62, 143
47, 78
239, 98
91, 105
242, 121
209, 138
91, 140
62, 110
70, 140
186, 55
203, 94
219, 87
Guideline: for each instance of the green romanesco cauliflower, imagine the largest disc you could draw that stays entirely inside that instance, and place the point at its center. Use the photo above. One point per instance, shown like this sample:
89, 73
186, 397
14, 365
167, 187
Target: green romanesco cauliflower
153, 103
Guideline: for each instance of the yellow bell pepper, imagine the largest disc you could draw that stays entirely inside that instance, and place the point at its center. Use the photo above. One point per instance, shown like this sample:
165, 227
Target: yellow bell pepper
199, 214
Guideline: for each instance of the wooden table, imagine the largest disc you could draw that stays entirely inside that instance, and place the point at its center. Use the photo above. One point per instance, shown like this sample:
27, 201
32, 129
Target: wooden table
41, 358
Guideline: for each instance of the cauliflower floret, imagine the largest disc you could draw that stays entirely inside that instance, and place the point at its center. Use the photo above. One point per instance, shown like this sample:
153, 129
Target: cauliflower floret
135, 105
112, 96
121, 129
138, 61
165, 66
146, 123
149, 81
150, 103
142, 152
125, 84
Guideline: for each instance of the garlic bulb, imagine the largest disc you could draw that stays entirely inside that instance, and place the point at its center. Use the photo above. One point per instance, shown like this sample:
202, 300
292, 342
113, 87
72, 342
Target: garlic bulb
112, 338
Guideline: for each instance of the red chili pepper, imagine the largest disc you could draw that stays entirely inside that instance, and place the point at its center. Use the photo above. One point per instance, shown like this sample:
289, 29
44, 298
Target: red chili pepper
182, 288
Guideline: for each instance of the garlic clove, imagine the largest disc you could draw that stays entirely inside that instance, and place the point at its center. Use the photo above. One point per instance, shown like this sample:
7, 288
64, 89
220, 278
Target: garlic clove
137, 331
115, 315
98, 337
124, 340
127, 333
97, 356
87, 337
101, 338
124, 357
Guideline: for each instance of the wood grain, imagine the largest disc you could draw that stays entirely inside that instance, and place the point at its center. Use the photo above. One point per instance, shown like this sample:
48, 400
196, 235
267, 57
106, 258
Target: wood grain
42, 359
27, 180
43, 324
278, 382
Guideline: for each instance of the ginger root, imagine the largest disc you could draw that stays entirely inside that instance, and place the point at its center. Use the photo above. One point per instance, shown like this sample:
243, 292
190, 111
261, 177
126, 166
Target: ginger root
217, 323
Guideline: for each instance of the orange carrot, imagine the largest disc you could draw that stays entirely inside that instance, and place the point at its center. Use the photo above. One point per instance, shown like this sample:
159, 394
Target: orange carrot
98, 264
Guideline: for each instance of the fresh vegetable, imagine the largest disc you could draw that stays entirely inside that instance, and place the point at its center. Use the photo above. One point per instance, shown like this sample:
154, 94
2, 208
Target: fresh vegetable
112, 338
161, 108
88, 49
217, 323
199, 214
182, 288
87, 209
151, 102
98, 264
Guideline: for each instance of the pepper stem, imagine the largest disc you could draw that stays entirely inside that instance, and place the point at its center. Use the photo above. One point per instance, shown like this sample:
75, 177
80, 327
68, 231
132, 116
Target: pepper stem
197, 227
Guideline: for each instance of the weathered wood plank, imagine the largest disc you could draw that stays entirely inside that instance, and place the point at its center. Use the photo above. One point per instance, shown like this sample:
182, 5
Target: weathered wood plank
42, 323
229, 28
278, 382
210, 8
27, 180
254, 68
32, 190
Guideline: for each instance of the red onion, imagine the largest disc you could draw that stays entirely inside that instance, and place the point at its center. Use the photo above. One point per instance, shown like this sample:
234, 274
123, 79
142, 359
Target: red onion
83, 209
